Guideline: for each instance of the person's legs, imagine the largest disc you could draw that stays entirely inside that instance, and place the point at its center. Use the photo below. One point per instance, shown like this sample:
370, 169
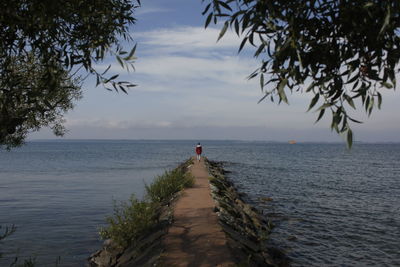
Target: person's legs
198, 157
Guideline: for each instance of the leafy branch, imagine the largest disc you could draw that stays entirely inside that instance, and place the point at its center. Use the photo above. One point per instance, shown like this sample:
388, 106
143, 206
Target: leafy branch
344, 50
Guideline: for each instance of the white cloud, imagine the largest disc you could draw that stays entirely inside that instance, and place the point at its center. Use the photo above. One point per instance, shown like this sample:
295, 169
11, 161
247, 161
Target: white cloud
182, 58
117, 124
181, 39
226, 71
182, 74
149, 10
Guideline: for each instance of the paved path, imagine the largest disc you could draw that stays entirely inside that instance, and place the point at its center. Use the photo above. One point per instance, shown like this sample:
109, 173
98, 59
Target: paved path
195, 237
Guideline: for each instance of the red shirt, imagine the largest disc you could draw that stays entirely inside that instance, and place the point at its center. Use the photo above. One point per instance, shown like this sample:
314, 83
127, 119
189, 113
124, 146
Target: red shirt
198, 150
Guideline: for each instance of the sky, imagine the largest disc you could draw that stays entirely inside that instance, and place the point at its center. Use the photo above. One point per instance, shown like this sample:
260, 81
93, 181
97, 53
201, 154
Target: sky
192, 87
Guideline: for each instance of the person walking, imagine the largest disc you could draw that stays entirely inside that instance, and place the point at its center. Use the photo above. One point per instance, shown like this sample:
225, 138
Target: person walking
199, 150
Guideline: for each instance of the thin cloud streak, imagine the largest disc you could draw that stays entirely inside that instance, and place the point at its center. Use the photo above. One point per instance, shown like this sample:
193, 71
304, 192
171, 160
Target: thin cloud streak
150, 10
117, 124
188, 39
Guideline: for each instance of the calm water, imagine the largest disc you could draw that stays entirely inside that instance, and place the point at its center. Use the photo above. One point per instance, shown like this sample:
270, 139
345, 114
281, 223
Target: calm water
330, 206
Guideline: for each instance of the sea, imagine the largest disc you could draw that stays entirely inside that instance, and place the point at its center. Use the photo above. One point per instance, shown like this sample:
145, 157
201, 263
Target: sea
330, 206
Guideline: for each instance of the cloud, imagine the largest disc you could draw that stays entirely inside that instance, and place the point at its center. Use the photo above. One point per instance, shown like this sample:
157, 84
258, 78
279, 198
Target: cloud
150, 10
182, 74
196, 72
175, 59
192, 87
117, 124
187, 38
198, 87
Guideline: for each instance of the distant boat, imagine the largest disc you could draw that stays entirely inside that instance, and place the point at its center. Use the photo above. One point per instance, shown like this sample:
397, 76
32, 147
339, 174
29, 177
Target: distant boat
292, 142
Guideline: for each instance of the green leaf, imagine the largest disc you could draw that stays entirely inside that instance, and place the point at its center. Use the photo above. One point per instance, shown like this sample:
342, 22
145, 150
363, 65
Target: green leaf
122, 89
321, 114
386, 21
387, 85
392, 76
313, 102
311, 86
324, 106
111, 78
223, 31
350, 101
354, 120
251, 37
281, 90
355, 85
237, 27
262, 81
225, 5
131, 54
354, 78
371, 105
369, 4
282, 84
120, 61
349, 138
367, 103
262, 98
208, 20
259, 50
337, 117
206, 9
104, 72
254, 74
245, 21
97, 80
379, 100
242, 44
299, 58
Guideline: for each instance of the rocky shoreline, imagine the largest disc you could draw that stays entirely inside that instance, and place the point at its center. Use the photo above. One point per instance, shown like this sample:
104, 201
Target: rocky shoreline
246, 230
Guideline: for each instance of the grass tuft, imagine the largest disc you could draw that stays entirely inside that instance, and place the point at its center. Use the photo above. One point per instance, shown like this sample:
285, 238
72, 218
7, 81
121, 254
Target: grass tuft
130, 220
168, 184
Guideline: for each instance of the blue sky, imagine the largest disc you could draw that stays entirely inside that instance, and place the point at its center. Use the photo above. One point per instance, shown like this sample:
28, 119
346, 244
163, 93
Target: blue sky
191, 87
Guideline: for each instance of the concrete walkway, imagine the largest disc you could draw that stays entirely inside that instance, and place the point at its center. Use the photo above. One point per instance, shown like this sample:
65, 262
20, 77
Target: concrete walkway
195, 237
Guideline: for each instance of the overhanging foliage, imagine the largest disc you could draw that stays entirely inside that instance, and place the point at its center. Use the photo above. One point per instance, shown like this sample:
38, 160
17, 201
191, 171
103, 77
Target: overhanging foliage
337, 50
63, 37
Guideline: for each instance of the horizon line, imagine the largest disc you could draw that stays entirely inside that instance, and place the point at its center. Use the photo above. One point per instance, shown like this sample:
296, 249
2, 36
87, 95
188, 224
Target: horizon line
207, 139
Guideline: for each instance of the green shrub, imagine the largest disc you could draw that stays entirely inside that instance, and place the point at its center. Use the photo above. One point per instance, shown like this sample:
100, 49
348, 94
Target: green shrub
189, 180
130, 220
165, 186
133, 218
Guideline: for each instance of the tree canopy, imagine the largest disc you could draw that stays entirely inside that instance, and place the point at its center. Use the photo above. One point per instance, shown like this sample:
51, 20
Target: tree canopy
340, 51
32, 102
43, 44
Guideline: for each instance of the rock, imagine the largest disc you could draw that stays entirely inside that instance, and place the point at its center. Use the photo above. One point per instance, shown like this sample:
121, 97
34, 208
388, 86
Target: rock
265, 199
106, 256
103, 258
246, 228
144, 258
242, 239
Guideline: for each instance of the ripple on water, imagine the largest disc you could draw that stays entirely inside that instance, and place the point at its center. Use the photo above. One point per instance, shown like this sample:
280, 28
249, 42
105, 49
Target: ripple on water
333, 208
330, 206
